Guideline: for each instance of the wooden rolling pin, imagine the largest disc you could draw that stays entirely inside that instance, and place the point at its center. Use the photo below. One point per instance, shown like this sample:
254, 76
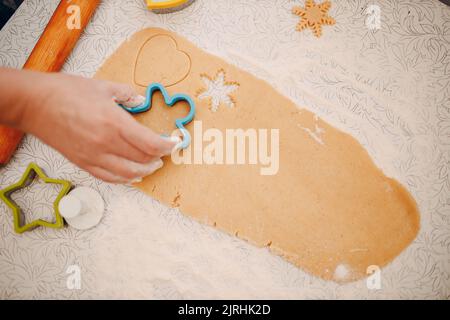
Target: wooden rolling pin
50, 53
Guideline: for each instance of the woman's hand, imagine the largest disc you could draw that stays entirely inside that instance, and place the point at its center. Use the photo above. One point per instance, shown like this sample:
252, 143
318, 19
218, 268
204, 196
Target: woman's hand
79, 118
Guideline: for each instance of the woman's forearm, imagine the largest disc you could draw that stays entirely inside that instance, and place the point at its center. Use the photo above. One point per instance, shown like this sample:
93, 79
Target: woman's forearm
80, 118
20, 91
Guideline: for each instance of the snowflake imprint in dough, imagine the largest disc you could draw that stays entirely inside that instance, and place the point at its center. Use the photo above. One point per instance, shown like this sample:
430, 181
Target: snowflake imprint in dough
218, 90
313, 16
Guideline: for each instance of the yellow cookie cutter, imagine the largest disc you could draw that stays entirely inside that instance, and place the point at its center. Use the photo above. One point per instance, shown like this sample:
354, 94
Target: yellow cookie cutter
155, 5
29, 175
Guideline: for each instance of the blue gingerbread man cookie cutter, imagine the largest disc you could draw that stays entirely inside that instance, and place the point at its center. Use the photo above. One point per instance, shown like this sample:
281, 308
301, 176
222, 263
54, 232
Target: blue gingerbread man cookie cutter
169, 101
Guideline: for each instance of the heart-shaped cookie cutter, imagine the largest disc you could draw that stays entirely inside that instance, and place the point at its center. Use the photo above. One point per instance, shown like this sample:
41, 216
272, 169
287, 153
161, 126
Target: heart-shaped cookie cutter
169, 101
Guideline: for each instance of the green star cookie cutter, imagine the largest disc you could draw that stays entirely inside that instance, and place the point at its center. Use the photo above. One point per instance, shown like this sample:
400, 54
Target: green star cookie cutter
28, 177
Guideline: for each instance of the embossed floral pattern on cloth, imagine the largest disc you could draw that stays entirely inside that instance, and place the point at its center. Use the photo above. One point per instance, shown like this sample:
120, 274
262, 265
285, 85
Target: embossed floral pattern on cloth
389, 88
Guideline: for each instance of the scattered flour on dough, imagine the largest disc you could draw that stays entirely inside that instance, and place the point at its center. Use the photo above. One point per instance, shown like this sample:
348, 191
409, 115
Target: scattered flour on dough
341, 272
317, 133
146, 250
359, 250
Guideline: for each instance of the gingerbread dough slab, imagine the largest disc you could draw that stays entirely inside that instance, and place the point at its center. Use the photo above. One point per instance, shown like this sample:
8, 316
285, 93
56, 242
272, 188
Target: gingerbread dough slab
328, 209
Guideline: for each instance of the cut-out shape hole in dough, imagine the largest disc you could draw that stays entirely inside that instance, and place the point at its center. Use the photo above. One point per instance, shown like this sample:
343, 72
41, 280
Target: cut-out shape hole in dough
160, 60
218, 90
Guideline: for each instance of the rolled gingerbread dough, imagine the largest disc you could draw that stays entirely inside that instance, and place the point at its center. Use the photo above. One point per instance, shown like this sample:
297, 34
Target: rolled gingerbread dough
328, 210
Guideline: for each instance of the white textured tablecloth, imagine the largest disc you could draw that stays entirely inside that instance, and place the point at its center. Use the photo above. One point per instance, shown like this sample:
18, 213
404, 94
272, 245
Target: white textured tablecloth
390, 88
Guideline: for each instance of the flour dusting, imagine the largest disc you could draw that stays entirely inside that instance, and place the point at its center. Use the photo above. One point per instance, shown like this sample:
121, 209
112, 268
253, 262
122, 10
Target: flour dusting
341, 272
180, 258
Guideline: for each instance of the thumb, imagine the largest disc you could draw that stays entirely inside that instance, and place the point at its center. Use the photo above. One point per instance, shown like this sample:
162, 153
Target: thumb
121, 92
